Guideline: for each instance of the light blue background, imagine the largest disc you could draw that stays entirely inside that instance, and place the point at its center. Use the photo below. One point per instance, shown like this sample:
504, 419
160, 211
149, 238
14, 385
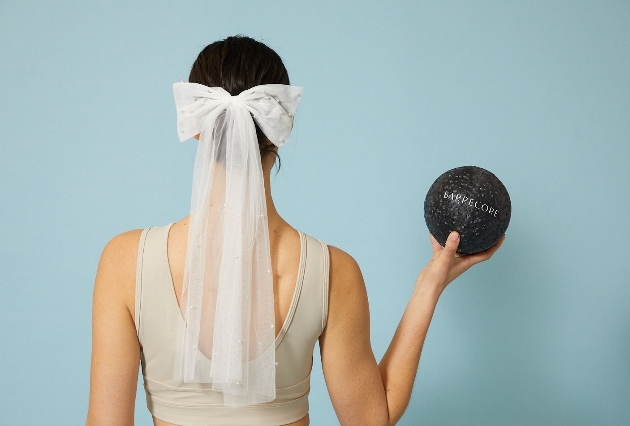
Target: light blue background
396, 93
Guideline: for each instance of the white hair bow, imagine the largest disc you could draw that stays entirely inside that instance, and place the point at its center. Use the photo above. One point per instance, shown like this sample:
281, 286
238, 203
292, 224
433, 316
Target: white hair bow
227, 296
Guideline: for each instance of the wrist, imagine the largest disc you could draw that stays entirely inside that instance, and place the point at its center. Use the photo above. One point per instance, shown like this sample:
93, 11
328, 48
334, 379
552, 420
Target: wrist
427, 284
428, 289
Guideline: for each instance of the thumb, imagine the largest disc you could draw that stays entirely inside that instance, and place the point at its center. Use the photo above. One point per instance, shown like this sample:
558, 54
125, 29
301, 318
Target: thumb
452, 242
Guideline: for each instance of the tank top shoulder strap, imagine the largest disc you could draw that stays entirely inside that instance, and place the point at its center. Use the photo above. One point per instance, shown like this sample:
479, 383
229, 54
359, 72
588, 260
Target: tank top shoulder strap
317, 276
138, 294
308, 314
154, 290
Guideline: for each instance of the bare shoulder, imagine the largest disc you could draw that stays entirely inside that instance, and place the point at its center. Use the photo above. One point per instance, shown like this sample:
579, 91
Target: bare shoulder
345, 273
348, 301
120, 254
116, 275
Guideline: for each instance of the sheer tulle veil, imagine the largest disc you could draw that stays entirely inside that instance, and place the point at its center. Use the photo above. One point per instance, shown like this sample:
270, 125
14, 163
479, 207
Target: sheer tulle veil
227, 295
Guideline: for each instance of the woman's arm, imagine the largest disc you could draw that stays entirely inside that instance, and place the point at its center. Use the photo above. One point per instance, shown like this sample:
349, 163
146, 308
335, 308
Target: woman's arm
115, 347
362, 392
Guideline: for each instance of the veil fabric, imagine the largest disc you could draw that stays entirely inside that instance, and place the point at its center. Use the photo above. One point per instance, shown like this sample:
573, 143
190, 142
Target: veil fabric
227, 295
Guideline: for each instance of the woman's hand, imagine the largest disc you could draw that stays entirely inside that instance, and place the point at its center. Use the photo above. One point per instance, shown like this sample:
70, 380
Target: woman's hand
446, 264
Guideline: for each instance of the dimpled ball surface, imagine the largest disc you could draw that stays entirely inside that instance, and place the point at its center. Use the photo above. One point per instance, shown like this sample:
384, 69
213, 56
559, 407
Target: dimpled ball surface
471, 201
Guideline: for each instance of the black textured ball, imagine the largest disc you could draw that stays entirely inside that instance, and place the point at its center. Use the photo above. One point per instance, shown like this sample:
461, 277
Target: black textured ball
471, 201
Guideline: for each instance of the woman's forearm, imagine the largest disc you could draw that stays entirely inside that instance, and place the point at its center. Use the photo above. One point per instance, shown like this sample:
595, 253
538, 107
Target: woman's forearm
400, 363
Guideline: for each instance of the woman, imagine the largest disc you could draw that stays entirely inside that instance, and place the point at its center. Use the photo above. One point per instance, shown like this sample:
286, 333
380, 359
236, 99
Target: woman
318, 291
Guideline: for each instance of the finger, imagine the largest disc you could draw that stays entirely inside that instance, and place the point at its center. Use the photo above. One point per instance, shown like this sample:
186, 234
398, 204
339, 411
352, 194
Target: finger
450, 247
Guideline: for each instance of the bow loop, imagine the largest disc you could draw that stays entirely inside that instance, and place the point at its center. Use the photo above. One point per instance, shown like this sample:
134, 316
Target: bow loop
273, 107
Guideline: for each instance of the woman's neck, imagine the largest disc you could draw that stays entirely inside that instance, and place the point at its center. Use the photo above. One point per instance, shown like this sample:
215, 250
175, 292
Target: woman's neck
275, 220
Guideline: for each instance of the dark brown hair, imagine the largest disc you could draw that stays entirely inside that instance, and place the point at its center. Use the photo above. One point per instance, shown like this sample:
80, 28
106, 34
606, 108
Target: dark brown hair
236, 64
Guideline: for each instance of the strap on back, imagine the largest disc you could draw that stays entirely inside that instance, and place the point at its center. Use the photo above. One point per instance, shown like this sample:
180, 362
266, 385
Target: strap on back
138, 295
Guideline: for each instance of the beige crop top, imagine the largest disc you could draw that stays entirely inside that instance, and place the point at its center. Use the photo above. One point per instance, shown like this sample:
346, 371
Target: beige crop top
157, 316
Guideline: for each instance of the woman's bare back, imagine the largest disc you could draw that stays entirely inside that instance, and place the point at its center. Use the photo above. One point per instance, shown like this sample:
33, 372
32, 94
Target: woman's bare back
285, 259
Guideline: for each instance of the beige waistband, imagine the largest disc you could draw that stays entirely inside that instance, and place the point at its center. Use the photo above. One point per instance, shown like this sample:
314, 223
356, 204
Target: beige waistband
290, 405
